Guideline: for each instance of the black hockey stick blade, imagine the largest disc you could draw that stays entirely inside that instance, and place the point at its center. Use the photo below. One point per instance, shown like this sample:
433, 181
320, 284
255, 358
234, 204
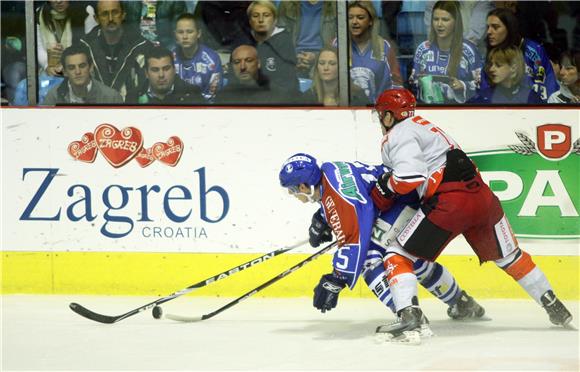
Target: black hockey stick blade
83, 311
108, 319
188, 319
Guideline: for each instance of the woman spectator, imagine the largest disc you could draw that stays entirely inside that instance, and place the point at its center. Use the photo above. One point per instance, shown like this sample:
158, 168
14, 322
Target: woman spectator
569, 83
275, 47
60, 23
374, 66
324, 88
503, 32
507, 82
446, 62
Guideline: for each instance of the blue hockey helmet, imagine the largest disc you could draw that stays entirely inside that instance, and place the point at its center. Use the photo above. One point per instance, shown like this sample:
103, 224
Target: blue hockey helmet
298, 169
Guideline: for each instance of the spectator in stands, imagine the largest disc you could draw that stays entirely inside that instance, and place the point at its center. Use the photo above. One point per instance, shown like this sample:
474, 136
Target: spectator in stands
12, 48
473, 17
275, 47
503, 32
224, 24
163, 86
196, 63
537, 20
78, 86
248, 85
374, 66
507, 82
447, 65
155, 19
569, 83
324, 89
312, 25
60, 23
117, 50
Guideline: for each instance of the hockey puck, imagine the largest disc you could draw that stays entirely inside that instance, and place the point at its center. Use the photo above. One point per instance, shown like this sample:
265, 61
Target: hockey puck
157, 312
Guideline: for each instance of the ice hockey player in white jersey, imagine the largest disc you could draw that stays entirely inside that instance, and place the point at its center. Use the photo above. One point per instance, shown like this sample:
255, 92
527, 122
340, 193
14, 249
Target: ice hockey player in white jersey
342, 190
455, 201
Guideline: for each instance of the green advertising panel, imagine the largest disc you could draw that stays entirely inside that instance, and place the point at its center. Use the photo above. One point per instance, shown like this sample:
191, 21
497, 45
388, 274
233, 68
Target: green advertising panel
540, 195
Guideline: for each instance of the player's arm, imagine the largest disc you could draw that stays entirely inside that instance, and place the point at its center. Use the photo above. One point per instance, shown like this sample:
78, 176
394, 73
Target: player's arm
409, 172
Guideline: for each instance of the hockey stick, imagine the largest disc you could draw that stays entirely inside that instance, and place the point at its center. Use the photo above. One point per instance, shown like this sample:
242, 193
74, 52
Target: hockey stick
83, 311
180, 318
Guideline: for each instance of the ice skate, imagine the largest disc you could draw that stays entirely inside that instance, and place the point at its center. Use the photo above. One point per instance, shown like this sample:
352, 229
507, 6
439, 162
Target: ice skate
465, 308
558, 313
409, 328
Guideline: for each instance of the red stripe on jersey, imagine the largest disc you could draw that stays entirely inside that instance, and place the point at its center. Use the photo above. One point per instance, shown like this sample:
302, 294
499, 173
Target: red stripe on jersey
404, 187
340, 214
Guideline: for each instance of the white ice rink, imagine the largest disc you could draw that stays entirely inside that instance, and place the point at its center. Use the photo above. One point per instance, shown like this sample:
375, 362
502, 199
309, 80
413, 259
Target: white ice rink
41, 333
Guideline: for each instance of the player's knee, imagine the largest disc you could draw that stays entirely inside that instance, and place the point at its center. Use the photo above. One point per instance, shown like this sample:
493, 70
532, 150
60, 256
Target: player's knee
517, 265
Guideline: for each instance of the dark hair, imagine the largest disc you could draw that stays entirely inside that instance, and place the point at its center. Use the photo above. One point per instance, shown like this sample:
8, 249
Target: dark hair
508, 18
73, 50
96, 2
189, 17
157, 52
451, 7
75, 12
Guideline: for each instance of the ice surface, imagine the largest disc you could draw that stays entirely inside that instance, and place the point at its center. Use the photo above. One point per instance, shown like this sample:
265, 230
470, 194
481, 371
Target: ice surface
41, 333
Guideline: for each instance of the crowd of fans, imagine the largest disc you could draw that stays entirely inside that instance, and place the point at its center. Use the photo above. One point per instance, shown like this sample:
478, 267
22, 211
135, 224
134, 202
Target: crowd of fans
285, 52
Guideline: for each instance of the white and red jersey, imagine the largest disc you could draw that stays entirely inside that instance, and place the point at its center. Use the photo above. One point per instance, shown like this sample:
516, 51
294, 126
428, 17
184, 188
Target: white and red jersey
416, 151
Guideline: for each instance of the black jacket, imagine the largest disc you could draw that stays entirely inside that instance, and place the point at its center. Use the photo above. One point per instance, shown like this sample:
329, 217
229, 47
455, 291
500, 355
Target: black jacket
128, 73
182, 94
278, 61
260, 93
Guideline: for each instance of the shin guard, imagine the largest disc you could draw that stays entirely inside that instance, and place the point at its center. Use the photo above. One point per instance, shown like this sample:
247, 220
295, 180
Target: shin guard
402, 280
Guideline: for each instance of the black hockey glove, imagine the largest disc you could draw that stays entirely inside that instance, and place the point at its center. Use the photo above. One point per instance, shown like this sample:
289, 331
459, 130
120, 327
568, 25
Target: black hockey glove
326, 292
382, 196
319, 230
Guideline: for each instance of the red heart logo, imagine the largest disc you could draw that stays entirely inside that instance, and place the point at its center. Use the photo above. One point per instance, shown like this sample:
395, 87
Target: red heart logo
145, 157
118, 147
85, 149
170, 152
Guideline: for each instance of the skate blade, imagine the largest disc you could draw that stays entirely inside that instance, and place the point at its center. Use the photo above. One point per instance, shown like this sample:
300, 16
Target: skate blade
406, 338
570, 326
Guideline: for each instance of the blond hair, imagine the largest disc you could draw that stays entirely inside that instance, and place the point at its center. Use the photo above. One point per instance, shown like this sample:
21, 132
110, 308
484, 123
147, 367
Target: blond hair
377, 45
512, 56
268, 4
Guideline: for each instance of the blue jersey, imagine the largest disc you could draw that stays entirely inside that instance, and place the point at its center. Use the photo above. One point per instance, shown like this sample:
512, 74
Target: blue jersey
538, 69
349, 210
373, 74
203, 70
430, 60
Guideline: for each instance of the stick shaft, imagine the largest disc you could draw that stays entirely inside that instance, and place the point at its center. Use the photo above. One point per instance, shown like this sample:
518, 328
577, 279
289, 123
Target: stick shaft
83, 311
255, 290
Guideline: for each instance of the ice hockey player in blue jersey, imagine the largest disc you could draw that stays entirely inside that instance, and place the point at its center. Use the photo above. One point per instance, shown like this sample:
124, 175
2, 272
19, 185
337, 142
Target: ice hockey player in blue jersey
343, 190
195, 63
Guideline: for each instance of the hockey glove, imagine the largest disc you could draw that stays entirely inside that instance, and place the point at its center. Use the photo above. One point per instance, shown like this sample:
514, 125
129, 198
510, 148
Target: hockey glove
382, 196
326, 292
319, 230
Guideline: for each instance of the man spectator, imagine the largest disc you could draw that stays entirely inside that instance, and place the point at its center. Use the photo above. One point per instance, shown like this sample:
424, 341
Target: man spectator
274, 45
248, 85
155, 19
117, 50
195, 63
78, 86
163, 86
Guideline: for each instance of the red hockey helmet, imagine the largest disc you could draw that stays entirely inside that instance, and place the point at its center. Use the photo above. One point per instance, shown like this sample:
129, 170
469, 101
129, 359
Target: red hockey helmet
399, 101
